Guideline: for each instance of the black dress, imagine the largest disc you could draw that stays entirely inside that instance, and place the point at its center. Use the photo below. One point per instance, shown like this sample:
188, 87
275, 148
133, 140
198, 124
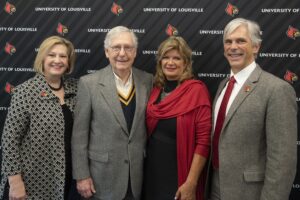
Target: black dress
70, 184
160, 176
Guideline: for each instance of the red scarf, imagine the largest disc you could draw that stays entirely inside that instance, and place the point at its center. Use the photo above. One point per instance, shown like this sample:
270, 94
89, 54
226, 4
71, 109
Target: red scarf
183, 99
190, 96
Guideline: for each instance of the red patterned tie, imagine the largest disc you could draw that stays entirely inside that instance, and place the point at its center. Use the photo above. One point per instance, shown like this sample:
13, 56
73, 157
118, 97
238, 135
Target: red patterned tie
219, 123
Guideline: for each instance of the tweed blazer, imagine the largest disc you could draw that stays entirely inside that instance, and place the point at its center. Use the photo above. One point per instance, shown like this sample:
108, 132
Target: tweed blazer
33, 138
257, 146
102, 146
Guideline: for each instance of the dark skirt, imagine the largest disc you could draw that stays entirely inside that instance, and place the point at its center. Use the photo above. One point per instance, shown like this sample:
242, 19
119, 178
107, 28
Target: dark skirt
160, 175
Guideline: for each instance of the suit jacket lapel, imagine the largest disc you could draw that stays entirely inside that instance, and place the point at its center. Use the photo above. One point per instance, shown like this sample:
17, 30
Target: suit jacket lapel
140, 95
246, 90
109, 92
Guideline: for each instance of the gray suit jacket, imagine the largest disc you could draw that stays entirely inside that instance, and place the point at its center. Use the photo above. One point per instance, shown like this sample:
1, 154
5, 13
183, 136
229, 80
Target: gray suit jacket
257, 146
102, 147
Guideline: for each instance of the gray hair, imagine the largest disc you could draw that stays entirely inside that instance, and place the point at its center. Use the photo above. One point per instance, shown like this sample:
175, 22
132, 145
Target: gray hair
115, 32
252, 27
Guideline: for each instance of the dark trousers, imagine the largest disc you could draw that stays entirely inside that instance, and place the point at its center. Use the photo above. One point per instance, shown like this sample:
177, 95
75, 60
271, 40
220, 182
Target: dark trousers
129, 195
6, 192
215, 188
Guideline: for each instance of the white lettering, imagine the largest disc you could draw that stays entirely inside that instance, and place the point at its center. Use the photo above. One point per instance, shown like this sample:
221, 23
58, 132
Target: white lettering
276, 10
80, 9
149, 52
211, 32
19, 69
296, 186
24, 29
62, 9
196, 10
3, 28
48, 9
182, 10
82, 50
105, 30
3, 69
197, 53
156, 9
274, 55
213, 75
3, 108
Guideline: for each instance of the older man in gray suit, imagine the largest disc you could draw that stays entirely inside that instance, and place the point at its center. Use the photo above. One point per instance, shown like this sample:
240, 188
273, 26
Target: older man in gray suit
109, 128
254, 140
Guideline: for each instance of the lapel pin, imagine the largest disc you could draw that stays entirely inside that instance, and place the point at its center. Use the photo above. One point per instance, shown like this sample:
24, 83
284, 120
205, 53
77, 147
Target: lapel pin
247, 88
43, 94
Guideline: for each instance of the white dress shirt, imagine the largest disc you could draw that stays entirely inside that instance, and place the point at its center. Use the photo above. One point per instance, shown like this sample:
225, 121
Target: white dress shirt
124, 88
240, 78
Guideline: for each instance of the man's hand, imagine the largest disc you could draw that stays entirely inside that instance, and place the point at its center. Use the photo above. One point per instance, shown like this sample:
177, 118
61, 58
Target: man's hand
86, 187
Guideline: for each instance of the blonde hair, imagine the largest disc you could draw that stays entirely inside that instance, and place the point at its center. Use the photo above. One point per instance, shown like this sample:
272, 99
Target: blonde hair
173, 43
45, 47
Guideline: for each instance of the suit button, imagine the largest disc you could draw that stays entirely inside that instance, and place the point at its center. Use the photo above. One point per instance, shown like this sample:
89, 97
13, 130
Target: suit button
126, 161
129, 141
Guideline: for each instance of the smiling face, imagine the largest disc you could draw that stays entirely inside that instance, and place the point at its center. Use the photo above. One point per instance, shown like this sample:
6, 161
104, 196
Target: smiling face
239, 50
56, 61
173, 65
121, 52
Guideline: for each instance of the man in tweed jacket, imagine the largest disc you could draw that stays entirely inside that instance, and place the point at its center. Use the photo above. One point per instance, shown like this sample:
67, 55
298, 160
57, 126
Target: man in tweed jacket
109, 132
257, 145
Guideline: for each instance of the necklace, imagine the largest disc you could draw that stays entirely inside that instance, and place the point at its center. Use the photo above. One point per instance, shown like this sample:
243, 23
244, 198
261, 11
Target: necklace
59, 87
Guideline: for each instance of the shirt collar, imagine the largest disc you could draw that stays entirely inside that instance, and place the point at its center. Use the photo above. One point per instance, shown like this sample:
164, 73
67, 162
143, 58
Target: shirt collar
242, 75
120, 82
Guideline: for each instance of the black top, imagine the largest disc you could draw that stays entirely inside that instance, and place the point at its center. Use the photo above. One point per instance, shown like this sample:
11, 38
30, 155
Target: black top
71, 192
67, 137
161, 162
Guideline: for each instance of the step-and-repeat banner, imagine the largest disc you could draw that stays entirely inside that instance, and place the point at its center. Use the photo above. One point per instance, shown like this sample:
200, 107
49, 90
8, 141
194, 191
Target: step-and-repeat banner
24, 24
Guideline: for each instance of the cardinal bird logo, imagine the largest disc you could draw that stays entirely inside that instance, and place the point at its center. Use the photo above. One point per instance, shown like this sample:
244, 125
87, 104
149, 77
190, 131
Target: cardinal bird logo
62, 29
10, 49
290, 77
10, 8
231, 10
9, 88
292, 32
116, 9
171, 30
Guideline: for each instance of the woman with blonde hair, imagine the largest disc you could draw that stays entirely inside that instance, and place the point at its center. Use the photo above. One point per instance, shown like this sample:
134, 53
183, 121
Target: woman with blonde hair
36, 158
179, 123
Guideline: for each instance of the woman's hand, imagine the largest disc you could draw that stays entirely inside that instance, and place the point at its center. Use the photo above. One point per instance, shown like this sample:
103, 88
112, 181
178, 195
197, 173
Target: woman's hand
186, 191
16, 188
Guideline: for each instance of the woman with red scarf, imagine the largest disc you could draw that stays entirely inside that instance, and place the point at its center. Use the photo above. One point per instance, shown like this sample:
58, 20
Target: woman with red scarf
179, 124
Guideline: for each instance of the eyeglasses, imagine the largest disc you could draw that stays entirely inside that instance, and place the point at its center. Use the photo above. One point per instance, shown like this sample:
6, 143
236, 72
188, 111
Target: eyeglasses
127, 49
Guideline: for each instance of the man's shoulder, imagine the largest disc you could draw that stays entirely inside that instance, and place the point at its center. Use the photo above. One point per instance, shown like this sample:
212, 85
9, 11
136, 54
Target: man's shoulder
94, 76
271, 83
139, 71
146, 77
271, 79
